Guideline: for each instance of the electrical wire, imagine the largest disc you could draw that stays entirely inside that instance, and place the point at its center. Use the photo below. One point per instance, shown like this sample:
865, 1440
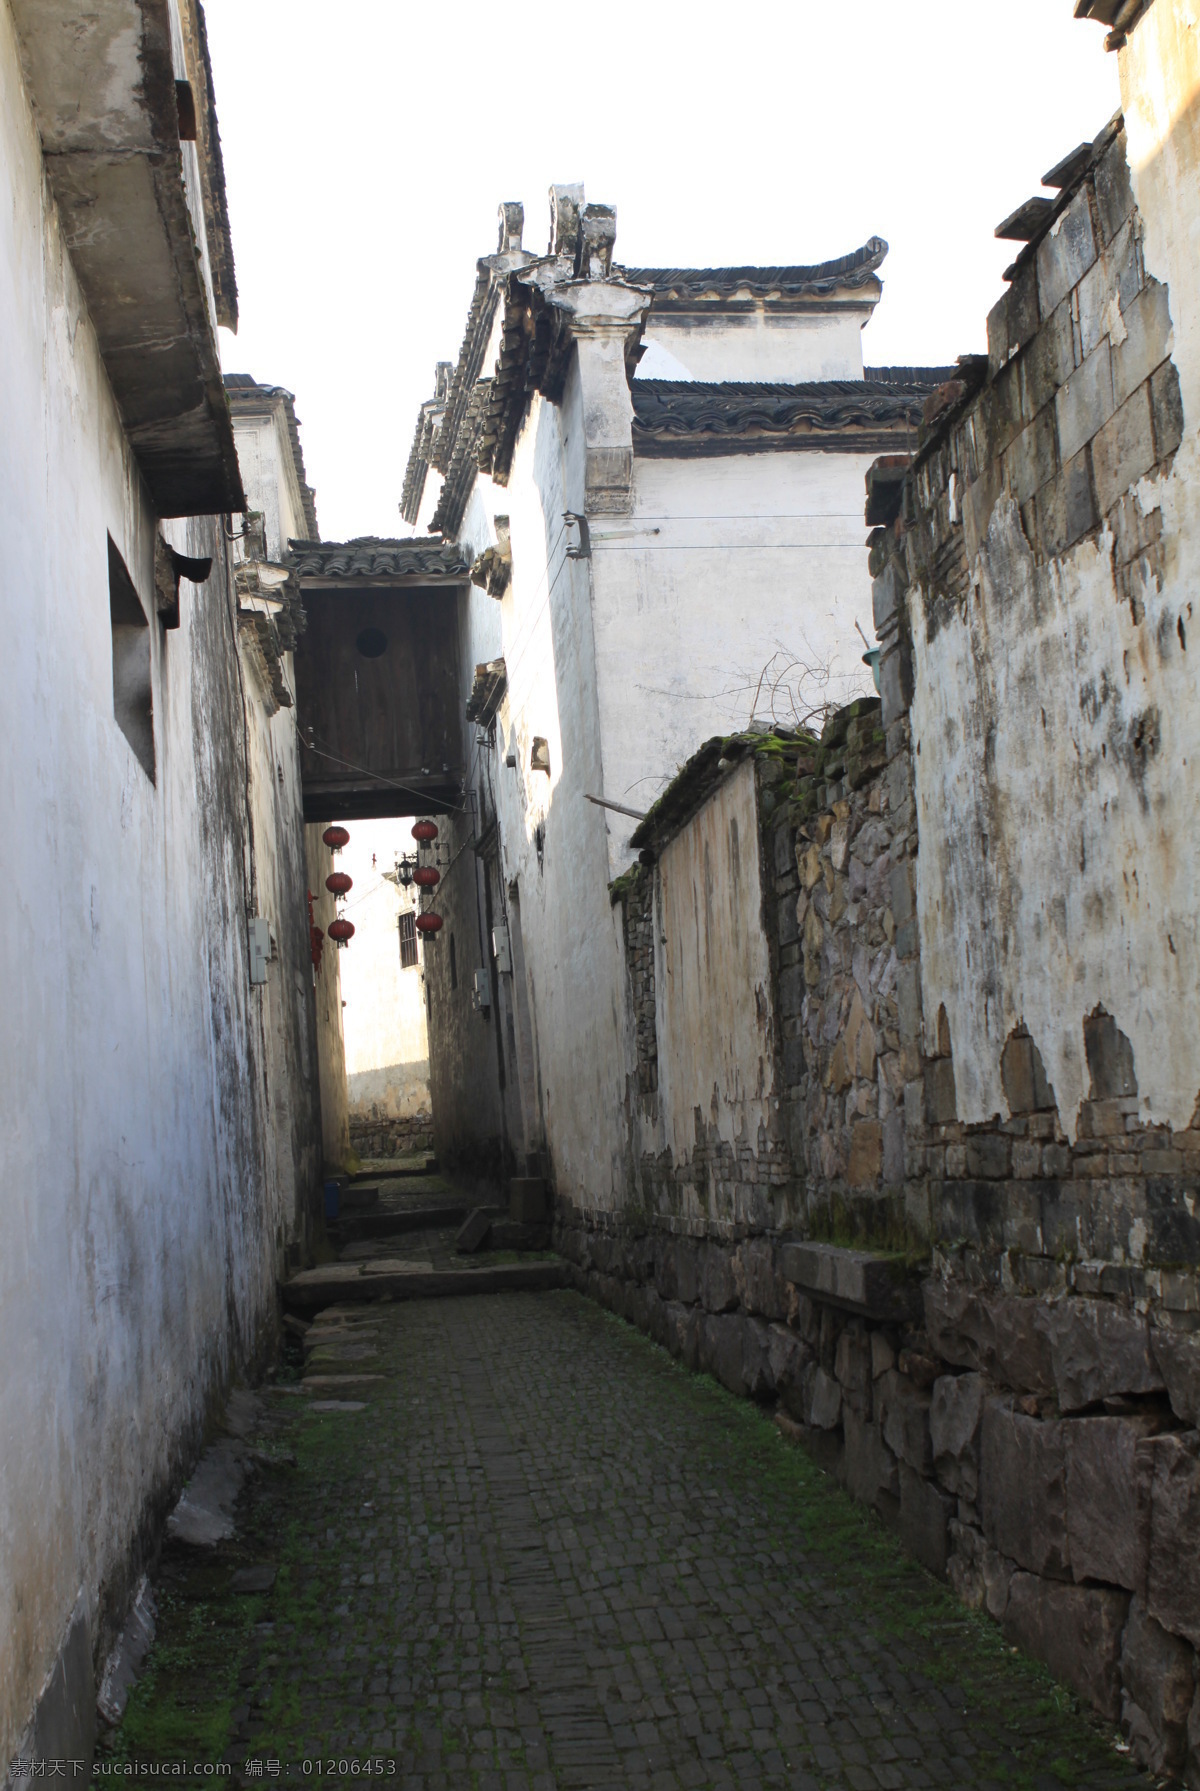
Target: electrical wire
408, 789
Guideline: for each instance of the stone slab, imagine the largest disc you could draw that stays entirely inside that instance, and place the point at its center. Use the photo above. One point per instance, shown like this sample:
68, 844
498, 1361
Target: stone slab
1158, 1677
1023, 1488
332, 1380
863, 1281
395, 1224
527, 1199
125, 1661
259, 1578
1173, 1578
395, 1265
315, 1288
338, 1405
473, 1234
204, 1514
1108, 1500
1075, 1630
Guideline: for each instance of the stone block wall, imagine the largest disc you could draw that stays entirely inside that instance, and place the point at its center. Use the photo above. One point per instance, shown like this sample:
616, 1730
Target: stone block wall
374, 1137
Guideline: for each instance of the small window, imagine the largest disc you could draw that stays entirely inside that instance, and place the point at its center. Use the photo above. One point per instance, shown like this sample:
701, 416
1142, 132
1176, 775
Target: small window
408, 940
133, 692
453, 965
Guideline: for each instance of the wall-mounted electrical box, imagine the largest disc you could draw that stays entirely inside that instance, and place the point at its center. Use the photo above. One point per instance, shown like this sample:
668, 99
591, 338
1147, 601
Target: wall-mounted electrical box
260, 948
500, 949
481, 994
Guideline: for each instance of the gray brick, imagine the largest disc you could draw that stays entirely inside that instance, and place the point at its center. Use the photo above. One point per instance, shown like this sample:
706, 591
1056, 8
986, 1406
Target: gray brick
1066, 253
1048, 363
940, 1099
1013, 321
908, 1001
999, 415
1080, 512
1117, 274
1124, 449
903, 898
1114, 192
979, 500
1147, 343
887, 594
1085, 404
1166, 403
1033, 457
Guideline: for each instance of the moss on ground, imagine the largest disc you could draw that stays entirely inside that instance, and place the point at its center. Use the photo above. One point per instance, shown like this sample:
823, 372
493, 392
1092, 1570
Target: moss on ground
211, 1641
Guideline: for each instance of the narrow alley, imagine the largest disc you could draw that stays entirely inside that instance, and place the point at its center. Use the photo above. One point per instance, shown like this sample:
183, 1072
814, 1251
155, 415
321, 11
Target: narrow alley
507, 1542
601, 1066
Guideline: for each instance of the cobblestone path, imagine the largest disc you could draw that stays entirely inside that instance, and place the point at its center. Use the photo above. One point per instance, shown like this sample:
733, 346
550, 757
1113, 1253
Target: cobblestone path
543, 1555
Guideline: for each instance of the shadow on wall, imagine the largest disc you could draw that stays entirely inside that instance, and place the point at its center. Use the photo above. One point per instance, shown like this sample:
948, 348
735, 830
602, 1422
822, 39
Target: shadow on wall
393, 1091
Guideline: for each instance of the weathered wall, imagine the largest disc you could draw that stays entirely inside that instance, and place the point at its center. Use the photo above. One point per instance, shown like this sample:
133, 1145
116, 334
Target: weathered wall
552, 1072
1052, 680
144, 1218
940, 1345
981, 909
710, 1133
470, 1123
277, 867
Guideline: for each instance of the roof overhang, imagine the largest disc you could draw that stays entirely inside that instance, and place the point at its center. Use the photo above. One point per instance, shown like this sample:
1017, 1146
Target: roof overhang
848, 283
681, 419
375, 561
144, 219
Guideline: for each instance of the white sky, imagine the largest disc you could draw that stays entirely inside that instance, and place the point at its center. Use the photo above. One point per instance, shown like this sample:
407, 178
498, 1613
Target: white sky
368, 144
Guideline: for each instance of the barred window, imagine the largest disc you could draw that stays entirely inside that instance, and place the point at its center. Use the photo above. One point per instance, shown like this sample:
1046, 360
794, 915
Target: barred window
408, 940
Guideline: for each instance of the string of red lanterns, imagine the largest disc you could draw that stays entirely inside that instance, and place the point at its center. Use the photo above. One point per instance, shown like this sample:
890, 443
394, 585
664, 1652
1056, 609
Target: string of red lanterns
427, 876
339, 884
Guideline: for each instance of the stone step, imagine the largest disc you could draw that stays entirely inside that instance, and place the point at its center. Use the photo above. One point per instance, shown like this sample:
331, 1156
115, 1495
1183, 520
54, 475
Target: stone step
384, 1168
385, 1225
313, 1289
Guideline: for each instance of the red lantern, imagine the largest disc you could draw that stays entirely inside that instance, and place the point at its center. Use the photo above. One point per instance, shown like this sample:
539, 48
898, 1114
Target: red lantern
335, 838
426, 923
426, 876
425, 831
338, 883
341, 930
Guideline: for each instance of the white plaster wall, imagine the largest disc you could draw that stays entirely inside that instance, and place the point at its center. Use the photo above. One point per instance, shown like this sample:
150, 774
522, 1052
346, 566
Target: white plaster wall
713, 977
140, 1252
571, 936
1160, 99
760, 345
387, 1048
277, 869
727, 568
1050, 878
576, 1046
269, 476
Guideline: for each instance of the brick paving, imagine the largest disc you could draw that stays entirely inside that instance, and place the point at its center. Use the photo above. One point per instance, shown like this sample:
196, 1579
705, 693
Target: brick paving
545, 1556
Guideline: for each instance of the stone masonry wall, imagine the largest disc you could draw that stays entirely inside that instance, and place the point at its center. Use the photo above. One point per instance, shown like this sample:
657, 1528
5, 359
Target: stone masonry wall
371, 1138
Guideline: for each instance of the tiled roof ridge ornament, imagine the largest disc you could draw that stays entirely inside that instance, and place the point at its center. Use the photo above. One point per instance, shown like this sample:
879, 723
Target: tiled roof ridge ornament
512, 226
566, 209
851, 271
597, 237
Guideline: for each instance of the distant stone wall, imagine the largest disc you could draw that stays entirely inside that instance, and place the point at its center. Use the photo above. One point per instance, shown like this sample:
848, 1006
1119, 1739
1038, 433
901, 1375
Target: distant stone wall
388, 1137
